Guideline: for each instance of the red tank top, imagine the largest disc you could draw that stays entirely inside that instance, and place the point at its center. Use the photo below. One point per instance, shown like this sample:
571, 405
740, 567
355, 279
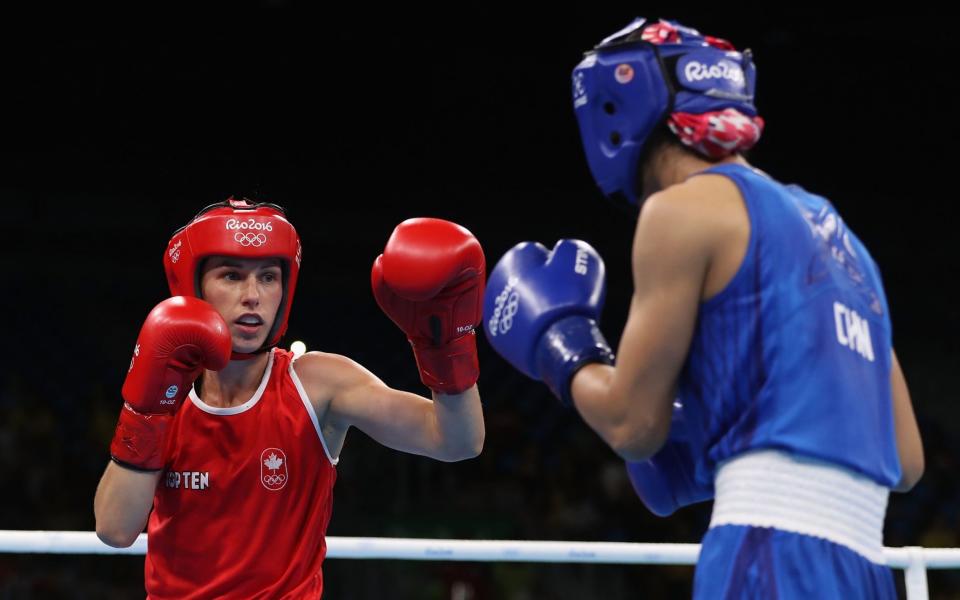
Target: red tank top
243, 506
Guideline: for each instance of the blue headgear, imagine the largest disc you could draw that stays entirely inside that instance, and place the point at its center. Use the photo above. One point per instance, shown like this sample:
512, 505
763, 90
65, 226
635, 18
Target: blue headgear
633, 80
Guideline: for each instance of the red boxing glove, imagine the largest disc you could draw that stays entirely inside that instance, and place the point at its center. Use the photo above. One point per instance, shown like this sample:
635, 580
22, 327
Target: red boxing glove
180, 337
429, 281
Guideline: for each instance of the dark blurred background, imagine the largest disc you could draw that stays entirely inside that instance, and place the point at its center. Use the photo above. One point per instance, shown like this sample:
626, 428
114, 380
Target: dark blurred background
115, 135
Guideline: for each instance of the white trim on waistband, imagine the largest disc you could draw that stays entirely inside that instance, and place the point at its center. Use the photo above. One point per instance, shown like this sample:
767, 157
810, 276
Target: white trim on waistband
769, 488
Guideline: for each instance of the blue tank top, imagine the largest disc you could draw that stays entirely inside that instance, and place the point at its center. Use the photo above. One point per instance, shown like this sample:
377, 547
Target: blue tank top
795, 352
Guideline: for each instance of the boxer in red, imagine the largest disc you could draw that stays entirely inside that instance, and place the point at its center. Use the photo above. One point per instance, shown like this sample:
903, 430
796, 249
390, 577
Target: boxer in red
233, 444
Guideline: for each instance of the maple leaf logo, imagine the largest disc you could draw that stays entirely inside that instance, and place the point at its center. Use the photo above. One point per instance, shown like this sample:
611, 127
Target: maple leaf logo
273, 463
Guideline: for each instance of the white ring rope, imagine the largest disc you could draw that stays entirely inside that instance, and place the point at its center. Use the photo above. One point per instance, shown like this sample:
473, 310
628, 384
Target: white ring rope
913, 559
85, 542
513, 551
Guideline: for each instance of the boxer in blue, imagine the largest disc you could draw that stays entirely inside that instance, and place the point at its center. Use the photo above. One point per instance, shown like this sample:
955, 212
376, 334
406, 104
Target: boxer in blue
756, 367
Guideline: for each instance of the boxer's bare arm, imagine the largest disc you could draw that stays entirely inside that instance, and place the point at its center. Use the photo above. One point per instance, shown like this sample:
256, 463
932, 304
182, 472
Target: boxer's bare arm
689, 242
449, 427
122, 504
909, 444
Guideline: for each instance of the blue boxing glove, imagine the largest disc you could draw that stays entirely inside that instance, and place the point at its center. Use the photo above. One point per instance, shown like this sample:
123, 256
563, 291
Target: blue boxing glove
665, 481
541, 308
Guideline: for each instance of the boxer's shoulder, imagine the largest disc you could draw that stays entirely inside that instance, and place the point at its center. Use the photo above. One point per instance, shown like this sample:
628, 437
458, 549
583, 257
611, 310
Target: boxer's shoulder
701, 223
325, 375
708, 202
709, 207
327, 370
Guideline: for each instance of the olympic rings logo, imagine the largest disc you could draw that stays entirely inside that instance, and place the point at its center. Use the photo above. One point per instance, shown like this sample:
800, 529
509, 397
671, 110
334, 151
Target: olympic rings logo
274, 479
509, 311
506, 305
250, 239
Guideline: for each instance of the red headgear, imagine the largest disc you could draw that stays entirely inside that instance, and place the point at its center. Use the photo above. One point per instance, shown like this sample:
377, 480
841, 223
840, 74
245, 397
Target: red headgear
240, 229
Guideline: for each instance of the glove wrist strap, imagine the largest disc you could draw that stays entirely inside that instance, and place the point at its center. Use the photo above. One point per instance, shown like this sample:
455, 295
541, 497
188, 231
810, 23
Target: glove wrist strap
139, 438
567, 346
449, 369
